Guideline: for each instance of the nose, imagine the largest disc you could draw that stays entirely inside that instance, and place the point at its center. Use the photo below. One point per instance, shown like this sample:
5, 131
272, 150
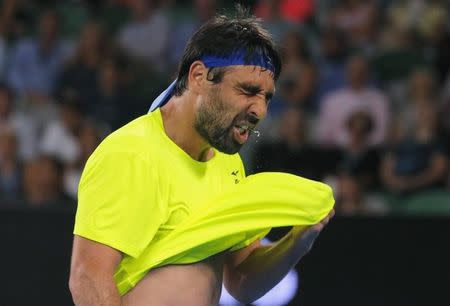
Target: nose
258, 108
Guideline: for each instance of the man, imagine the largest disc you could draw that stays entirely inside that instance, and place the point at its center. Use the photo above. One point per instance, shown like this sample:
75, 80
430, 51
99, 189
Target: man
358, 96
35, 64
148, 178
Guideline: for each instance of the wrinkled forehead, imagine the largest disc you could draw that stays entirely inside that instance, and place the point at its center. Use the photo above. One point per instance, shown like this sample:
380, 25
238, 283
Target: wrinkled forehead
253, 75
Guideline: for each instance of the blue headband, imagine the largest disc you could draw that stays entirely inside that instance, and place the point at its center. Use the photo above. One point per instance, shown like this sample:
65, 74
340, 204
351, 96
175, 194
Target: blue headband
213, 61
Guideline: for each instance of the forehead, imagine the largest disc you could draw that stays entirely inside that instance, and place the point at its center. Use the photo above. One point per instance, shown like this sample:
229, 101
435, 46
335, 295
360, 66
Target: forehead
254, 75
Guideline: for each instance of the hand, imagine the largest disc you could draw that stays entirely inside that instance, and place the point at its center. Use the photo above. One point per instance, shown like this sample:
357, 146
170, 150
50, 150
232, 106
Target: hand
305, 237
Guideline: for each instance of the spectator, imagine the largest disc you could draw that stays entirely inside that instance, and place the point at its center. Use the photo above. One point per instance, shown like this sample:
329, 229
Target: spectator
358, 166
35, 64
88, 139
297, 81
146, 37
10, 167
294, 49
358, 19
419, 161
60, 136
203, 11
331, 63
111, 102
7, 12
297, 87
43, 183
269, 12
23, 126
422, 90
82, 70
358, 96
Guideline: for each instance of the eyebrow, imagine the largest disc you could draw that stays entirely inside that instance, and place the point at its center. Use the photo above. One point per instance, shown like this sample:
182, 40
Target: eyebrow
254, 89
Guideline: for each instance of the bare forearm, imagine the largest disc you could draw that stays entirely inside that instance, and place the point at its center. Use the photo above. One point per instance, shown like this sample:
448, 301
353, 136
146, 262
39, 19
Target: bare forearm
267, 265
89, 291
429, 176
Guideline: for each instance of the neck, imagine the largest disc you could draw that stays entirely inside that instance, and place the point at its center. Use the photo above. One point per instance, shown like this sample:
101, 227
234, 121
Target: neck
178, 117
356, 145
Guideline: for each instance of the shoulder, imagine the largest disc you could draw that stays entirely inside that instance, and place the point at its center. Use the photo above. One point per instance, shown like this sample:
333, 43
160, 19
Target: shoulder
133, 139
335, 97
377, 94
25, 45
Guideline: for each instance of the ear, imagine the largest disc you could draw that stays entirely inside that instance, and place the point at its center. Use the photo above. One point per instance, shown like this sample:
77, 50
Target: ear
197, 76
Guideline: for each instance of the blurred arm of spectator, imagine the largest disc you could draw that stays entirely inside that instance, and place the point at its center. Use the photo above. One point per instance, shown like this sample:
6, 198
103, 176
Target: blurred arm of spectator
418, 161
429, 176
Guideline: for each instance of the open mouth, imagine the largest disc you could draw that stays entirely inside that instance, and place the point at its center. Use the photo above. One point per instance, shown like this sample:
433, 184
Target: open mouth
241, 132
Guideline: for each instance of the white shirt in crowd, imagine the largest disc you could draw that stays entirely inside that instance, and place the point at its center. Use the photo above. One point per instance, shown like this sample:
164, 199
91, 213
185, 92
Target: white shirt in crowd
59, 142
147, 40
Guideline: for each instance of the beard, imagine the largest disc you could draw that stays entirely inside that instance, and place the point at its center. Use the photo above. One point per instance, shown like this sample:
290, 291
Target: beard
215, 121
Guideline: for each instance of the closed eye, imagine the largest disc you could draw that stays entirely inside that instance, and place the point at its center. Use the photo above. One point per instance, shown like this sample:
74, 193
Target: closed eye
253, 90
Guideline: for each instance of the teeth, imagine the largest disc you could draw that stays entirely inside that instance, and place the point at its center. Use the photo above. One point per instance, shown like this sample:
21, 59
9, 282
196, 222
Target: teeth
243, 128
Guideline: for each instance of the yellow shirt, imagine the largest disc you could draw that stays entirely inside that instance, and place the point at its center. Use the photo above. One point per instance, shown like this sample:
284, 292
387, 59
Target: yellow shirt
138, 186
141, 194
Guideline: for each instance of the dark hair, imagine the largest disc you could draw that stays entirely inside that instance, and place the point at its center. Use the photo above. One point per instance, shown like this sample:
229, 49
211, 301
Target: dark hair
223, 35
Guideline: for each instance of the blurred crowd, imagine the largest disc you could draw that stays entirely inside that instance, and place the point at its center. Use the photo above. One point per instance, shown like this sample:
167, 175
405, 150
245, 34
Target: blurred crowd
363, 102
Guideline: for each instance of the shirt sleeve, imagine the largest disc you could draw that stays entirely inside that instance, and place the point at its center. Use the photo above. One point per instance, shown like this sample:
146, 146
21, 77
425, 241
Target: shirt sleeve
118, 204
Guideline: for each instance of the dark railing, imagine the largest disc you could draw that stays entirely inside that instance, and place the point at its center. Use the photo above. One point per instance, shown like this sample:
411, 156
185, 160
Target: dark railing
356, 261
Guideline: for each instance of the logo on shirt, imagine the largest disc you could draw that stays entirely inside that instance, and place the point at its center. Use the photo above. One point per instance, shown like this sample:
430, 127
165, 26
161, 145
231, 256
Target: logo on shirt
235, 173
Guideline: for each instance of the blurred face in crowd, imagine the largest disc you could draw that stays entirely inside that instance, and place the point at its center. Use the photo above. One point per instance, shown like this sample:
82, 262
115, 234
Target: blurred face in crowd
360, 125
8, 144
205, 9
230, 109
91, 40
109, 76
293, 126
293, 45
5, 103
141, 9
48, 26
42, 180
306, 82
357, 72
89, 140
426, 117
333, 45
71, 117
421, 85
350, 194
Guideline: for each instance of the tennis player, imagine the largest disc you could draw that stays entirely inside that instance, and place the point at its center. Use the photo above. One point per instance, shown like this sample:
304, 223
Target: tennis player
150, 176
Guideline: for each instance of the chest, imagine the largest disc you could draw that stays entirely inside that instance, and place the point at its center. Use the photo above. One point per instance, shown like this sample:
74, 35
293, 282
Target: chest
187, 186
